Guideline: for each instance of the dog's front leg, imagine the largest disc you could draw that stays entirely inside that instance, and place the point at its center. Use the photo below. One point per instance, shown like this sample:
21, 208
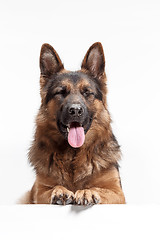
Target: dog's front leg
103, 188
98, 196
60, 195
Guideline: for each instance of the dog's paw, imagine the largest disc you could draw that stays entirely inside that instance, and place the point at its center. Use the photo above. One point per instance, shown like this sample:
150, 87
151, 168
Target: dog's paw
61, 196
86, 197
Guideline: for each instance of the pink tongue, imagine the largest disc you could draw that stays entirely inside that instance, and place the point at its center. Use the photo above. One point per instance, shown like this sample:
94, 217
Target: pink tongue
76, 136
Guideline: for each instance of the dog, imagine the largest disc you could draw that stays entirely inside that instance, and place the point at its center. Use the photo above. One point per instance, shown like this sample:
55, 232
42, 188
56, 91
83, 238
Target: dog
74, 152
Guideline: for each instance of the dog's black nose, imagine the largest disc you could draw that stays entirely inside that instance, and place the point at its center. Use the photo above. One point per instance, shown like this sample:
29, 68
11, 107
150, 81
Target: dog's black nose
75, 110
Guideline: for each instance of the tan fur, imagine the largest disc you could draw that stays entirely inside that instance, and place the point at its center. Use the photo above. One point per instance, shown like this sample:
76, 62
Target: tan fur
25, 199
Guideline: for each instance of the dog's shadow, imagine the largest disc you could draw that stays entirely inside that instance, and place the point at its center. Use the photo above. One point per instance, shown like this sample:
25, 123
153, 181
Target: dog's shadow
78, 209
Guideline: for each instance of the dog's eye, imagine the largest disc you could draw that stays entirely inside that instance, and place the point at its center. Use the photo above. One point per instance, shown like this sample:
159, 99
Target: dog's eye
87, 93
62, 92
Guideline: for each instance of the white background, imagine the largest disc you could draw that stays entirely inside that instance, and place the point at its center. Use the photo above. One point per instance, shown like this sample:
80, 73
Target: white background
130, 34
127, 222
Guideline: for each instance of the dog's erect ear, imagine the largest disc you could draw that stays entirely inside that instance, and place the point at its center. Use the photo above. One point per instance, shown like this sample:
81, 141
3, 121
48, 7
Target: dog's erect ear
94, 60
50, 62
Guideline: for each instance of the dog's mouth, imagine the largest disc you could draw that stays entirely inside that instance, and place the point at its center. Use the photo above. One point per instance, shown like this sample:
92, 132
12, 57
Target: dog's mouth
75, 134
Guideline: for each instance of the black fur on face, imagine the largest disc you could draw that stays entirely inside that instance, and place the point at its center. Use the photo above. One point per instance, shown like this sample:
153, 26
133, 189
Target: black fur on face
56, 83
74, 93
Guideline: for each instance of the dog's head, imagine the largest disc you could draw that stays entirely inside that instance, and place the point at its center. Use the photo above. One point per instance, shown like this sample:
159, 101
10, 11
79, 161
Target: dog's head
72, 99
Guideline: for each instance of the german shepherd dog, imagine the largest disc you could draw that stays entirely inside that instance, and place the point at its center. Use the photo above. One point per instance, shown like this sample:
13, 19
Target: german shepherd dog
74, 153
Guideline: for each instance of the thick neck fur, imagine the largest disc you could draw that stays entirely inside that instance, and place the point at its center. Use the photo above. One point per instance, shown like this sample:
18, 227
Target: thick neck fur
52, 156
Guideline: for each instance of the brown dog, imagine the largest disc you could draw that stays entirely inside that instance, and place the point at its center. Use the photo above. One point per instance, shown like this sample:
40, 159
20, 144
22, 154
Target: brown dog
74, 153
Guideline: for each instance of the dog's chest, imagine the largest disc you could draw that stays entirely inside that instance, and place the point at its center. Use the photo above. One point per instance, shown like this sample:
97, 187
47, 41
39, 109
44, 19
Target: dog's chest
69, 170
